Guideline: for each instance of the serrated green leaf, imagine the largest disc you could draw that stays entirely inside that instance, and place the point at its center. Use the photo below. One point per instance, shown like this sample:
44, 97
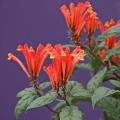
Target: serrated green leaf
43, 100
96, 80
113, 31
71, 113
111, 106
22, 104
44, 85
100, 93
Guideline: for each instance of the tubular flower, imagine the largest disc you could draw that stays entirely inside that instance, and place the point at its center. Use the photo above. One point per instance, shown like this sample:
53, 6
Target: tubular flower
102, 54
34, 59
109, 42
63, 63
116, 59
91, 24
76, 18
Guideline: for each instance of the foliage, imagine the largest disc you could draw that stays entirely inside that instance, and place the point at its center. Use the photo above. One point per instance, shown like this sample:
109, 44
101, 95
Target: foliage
70, 113
102, 63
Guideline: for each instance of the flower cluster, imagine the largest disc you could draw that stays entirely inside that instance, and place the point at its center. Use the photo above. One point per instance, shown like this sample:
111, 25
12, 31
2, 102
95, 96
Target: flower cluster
80, 18
109, 42
63, 63
102, 63
33, 59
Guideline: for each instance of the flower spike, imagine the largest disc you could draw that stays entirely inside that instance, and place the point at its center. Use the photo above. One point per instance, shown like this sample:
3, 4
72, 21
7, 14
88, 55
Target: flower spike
63, 64
92, 23
34, 59
76, 17
109, 42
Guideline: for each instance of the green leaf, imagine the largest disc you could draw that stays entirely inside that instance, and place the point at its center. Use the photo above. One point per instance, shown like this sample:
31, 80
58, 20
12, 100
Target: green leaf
56, 117
94, 60
60, 105
43, 100
86, 66
27, 91
82, 93
111, 106
72, 85
22, 104
44, 85
112, 52
99, 46
113, 31
71, 113
25, 96
75, 89
112, 72
31, 90
100, 93
115, 83
96, 80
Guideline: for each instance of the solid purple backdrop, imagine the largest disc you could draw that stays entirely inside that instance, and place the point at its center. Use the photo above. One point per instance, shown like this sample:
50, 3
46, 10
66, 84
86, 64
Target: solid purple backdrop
34, 21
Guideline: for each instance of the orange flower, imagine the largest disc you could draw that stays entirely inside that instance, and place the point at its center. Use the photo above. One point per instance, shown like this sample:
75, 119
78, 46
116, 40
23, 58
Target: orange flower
91, 24
76, 18
116, 59
102, 54
107, 25
109, 42
62, 65
34, 59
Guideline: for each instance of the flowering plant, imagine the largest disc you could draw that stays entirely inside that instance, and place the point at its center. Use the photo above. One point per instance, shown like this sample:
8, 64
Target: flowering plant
99, 56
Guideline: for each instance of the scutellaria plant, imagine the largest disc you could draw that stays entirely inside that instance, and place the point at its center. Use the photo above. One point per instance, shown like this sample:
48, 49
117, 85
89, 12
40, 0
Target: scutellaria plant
102, 54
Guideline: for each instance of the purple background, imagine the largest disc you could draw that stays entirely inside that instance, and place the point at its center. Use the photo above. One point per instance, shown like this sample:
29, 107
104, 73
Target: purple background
34, 21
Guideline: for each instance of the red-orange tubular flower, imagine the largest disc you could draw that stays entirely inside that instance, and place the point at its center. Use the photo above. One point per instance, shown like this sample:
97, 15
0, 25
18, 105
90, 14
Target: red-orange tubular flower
109, 42
34, 59
63, 63
92, 23
76, 18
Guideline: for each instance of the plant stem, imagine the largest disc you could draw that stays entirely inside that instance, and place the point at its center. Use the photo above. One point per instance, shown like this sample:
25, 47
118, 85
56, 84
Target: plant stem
36, 87
65, 94
105, 116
